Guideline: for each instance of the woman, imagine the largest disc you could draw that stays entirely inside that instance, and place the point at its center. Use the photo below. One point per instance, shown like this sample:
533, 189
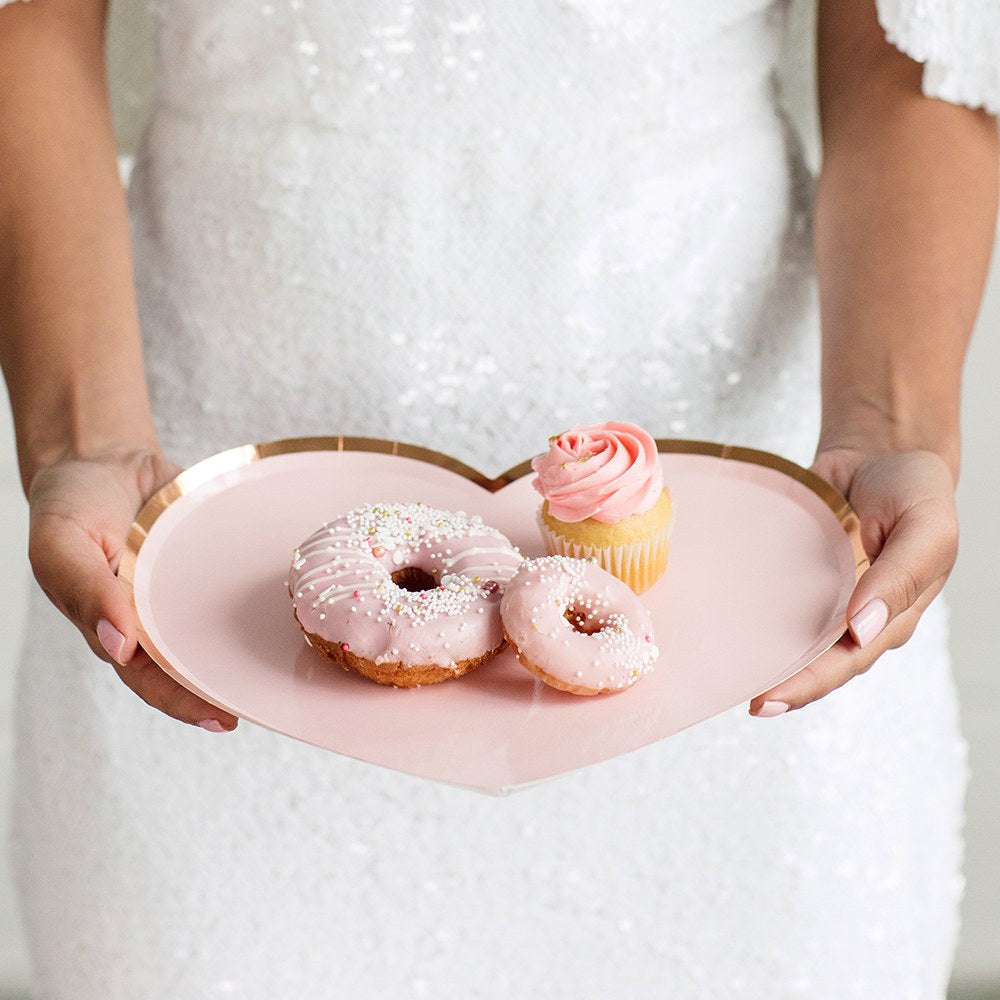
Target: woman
457, 225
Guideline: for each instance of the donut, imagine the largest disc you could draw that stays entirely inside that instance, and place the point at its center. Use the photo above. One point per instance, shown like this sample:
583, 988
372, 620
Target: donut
404, 594
577, 627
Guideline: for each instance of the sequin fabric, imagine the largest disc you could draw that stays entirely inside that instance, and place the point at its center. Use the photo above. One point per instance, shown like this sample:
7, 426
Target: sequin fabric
959, 45
469, 225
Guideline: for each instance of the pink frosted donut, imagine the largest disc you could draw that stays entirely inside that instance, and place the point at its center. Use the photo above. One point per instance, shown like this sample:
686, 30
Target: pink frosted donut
576, 626
403, 593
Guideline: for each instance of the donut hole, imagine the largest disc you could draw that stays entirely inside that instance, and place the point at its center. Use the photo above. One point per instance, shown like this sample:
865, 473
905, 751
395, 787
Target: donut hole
583, 621
413, 579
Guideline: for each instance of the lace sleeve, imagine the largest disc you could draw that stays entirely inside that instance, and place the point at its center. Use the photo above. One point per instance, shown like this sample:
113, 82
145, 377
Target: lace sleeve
958, 41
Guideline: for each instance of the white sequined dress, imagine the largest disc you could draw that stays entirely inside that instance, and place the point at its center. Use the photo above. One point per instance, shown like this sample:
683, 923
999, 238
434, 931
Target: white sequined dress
468, 225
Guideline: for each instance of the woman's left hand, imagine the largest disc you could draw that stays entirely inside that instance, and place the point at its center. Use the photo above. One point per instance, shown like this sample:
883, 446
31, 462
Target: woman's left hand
909, 528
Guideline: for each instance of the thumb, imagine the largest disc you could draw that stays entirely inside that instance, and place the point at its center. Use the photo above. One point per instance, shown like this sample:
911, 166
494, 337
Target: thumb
73, 568
74, 571
912, 566
883, 610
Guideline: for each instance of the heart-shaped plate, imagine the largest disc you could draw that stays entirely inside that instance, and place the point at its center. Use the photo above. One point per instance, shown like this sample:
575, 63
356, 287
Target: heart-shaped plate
764, 556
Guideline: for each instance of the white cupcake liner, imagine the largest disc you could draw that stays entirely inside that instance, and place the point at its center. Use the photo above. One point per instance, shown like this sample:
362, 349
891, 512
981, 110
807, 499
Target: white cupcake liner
639, 564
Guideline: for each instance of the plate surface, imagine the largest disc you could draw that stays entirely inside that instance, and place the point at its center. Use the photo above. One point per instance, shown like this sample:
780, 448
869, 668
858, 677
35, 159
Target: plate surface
764, 557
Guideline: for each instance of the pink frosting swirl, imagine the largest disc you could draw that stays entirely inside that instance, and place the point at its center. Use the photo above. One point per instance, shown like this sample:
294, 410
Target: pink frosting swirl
605, 471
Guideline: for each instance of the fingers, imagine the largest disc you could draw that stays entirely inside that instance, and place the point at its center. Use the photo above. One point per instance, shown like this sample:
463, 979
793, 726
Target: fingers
915, 547
72, 568
162, 692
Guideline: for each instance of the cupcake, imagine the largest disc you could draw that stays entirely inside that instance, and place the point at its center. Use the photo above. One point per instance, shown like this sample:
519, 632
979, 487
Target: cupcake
604, 499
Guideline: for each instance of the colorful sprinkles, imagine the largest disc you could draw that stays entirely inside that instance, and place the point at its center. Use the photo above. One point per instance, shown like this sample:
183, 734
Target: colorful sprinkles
369, 557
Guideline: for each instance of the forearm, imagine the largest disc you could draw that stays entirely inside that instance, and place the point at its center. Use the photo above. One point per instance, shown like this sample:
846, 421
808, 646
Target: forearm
905, 219
69, 343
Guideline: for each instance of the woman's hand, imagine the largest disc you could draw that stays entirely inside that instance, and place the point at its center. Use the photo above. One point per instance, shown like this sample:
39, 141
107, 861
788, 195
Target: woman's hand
70, 344
906, 209
80, 513
909, 528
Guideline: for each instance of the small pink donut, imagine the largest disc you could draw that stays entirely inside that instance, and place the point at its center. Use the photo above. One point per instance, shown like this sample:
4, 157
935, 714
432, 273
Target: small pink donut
576, 626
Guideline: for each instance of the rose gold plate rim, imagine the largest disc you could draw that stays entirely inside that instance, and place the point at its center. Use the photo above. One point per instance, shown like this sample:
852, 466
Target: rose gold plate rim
236, 458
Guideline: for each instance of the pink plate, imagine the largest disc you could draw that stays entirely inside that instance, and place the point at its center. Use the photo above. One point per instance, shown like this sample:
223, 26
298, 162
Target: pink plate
764, 558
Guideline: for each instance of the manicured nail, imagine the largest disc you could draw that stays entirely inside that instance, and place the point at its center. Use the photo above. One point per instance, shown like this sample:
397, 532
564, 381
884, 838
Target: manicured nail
111, 639
213, 726
869, 621
770, 709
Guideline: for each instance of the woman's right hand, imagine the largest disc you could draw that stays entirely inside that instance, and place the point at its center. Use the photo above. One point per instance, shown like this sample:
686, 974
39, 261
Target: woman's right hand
70, 344
80, 514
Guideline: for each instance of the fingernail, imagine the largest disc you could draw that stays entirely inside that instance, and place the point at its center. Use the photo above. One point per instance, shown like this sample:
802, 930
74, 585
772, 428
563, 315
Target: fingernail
213, 726
869, 621
111, 639
770, 709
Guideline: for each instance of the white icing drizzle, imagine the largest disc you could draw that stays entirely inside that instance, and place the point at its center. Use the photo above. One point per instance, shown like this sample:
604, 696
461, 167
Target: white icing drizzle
342, 587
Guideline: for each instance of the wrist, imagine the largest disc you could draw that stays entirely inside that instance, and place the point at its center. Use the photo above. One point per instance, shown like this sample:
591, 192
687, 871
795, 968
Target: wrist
872, 430
71, 429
